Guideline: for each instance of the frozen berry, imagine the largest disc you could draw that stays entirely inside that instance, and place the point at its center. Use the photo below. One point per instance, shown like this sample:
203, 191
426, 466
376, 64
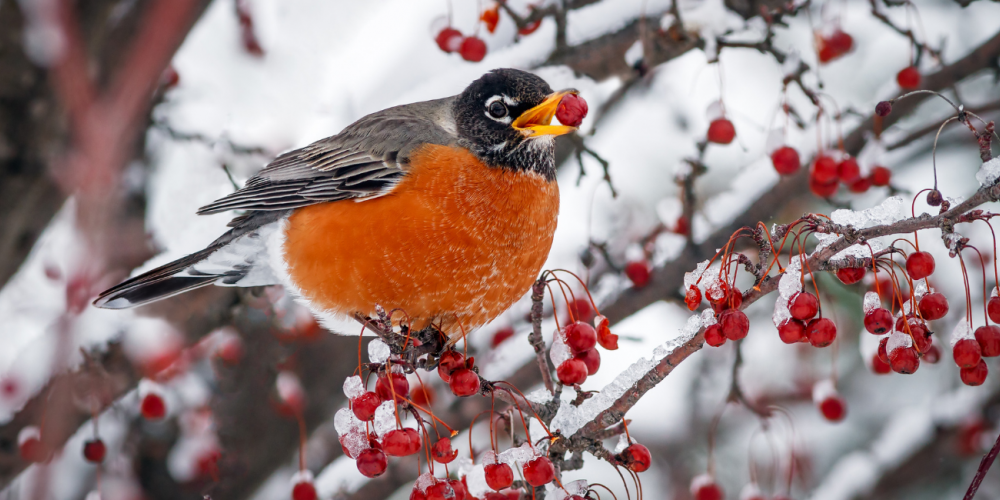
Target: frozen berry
860, 185
304, 490
850, 275
94, 450
993, 309
848, 170
572, 110
499, 476
441, 490
735, 324
364, 406
473, 49
372, 462
880, 176
791, 331
572, 372
449, 40
883, 108
882, 352
878, 321
442, 451
933, 306
833, 408
397, 390
840, 42
461, 492
592, 359
153, 407
821, 332
607, 339
714, 336
975, 375
580, 337
721, 131
638, 272
786, 160
989, 340
692, 298
803, 306
401, 442
920, 265
908, 78
823, 170
539, 471
529, 28
464, 382
904, 360
637, 457
932, 354
880, 367
822, 190
449, 362
704, 487
579, 309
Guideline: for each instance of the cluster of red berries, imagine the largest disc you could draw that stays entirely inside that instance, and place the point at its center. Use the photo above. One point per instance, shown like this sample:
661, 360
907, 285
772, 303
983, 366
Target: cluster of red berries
969, 351
804, 326
457, 372
825, 173
582, 340
834, 45
471, 48
731, 323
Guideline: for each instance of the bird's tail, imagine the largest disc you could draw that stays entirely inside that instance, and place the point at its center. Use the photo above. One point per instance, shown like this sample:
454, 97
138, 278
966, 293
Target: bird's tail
157, 284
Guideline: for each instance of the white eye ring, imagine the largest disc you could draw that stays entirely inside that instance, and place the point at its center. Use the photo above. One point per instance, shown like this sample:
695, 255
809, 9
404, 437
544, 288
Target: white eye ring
506, 119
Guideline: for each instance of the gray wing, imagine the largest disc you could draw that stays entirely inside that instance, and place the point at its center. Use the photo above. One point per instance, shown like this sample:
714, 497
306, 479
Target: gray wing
366, 159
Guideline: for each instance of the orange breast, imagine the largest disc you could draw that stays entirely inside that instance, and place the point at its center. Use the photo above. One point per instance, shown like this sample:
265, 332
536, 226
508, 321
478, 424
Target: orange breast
455, 243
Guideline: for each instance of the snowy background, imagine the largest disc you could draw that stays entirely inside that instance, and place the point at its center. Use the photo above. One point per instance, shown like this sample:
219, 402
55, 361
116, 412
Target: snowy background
327, 64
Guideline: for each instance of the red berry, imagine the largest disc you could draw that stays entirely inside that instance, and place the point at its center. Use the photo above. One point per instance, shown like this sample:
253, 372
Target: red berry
693, 297
638, 272
572, 110
33, 450
735, 324
975, 375
823, 170
580, 337
904, 360
682, 226
851, 275
592, 359
883, 108
821, 332
878, 321
933, 306
304, 490
833, 408
398, 389
786, 160
733, 299
803, 306
989, 340
490, 17
464, 382
637, 457
822, 190
580, 310
422, 396
920, 265
704, 487
94, 450
539, 471
882, 353
880, 176
860, 185
848, 170
932, 355
441, 490
840, 42
401, 442
501, 335
364, 406
499, 476
993, 309
607, 339
372, 462
714, 336
473, 49
572, 372
529, 28
416, 494
449, 39
449, 362
442, 451
461, 492
880, 367
908, 78
791, 331
721, 131
153, 407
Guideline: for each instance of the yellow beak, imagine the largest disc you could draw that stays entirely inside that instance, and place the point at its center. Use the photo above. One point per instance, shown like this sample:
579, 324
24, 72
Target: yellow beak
536, 121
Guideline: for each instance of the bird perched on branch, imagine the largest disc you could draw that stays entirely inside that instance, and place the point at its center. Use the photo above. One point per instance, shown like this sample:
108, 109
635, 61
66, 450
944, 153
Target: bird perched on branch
443, 209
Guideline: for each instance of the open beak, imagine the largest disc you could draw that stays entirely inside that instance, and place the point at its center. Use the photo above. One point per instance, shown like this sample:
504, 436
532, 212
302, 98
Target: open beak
535, 121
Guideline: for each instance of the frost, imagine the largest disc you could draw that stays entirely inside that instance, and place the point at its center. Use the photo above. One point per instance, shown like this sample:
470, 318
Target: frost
302, 476
634, 53
872, 302
353, 387
424, 480
344, 421
378, 352
887, 212
920, 289
962, 330
790, 284
623, 443
989, 172
539, 396
569, 419
385, 418
823, 389
578, 487
690, 278
708, 318
559, 352
994, 293
515, 457
897, 340
488, 458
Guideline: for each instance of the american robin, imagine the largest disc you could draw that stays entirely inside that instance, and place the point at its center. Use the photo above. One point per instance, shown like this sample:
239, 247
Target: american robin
443, 209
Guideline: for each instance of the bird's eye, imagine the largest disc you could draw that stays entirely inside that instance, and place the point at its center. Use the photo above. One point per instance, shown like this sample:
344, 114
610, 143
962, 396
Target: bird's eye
497, 109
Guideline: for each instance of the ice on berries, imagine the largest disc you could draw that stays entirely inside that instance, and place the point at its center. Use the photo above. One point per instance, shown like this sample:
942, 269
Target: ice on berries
823, 389
353, 387
516, 457
559, 352
896, 340
962, 330
424, 480
789, 284
872, 302
989, 172
378, 352
385, 418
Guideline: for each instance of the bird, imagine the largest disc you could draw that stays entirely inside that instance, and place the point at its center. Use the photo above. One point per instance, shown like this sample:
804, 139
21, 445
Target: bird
444, 210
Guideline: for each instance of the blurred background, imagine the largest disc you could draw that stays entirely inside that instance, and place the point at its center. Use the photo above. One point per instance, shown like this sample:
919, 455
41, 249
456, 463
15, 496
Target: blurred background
119, 118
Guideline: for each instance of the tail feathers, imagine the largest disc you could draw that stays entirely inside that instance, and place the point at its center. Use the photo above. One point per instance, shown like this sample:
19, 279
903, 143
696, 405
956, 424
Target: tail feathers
157, 284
